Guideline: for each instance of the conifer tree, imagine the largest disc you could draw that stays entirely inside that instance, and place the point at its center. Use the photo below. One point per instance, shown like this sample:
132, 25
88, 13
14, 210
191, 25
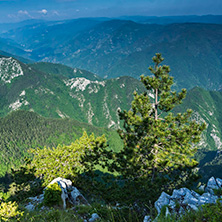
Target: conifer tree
156, 141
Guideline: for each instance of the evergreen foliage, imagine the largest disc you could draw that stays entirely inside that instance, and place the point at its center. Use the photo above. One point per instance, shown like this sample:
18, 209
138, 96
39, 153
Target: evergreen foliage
157, 143
22, 130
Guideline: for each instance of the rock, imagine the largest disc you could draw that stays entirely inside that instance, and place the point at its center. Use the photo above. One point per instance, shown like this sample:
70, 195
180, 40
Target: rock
212, 184
177, 194
94, 217
147, 219
201, 188
77, 198
181, 211
34, 201
207, 198
69, 192
183, 200
172, 204
219, 182
30, 207
163, 200
63, 183
190, 199
195, 194
193, 207
167, 212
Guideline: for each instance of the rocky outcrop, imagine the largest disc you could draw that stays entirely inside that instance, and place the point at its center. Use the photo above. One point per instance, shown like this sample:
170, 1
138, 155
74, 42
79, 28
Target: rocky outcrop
69, 193
183, 199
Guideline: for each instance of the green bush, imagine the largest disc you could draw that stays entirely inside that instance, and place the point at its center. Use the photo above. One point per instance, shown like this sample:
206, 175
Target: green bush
69, 161
52, 195
9, 211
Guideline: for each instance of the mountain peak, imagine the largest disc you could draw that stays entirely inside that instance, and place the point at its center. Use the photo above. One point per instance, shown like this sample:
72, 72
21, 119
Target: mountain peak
9, 69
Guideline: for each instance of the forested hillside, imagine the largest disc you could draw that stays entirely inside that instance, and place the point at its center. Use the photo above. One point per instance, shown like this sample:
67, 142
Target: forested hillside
81, 95
23, 130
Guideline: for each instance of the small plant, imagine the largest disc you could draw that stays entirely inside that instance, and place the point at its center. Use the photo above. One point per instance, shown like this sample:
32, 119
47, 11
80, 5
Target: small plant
199, 191
9, 211
218, 192
52, 195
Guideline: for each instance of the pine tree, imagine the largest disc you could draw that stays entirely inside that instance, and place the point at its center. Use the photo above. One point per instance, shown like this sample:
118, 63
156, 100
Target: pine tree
157, 143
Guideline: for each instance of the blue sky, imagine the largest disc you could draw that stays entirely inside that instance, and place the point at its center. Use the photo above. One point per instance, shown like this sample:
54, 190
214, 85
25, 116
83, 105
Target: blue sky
18, 10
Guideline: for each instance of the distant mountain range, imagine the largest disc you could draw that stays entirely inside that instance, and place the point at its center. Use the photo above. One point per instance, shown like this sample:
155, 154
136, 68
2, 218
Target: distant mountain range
113, 48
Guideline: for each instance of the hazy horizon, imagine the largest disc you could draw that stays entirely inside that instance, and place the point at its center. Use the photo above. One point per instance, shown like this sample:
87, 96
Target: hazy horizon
19, 10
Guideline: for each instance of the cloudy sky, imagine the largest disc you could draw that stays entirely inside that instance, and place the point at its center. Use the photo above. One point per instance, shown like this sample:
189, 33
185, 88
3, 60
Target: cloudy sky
18, 10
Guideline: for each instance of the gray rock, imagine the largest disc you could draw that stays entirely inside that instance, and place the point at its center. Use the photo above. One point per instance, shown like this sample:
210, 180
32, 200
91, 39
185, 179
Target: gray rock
167, 212
69, 192
181, 211
163, 200
219, 182
94, 217
177, 194
30, 207
202, 187
77, 198
193, 207
212, 184
207, 198
172, 204
147, 219
190, 199
195, 194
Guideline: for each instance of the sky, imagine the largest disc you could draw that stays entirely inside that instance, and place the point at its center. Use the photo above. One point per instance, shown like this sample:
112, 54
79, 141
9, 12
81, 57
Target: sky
19, 10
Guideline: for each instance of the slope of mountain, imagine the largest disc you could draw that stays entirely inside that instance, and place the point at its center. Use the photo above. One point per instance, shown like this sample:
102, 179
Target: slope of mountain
91, 101
27, 61
4, 27
212, 19
207, 107
118, 47
22, 130
11, 47
59, 69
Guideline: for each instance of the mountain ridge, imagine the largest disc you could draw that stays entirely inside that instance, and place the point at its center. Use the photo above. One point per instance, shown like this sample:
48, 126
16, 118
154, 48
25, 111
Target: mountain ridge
116, 48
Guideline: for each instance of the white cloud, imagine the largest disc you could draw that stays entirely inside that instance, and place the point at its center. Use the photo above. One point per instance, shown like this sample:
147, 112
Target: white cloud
43, 11
23, 12
55, 12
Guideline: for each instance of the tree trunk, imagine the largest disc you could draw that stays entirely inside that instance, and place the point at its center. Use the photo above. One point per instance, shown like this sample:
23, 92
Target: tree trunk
156, 104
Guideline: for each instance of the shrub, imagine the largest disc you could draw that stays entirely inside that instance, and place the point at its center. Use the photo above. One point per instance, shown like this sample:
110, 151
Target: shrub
9, 211
52, 195
69, 161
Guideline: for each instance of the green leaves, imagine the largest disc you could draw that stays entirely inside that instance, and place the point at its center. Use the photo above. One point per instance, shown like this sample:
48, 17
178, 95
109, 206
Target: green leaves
69, 161
157, 142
